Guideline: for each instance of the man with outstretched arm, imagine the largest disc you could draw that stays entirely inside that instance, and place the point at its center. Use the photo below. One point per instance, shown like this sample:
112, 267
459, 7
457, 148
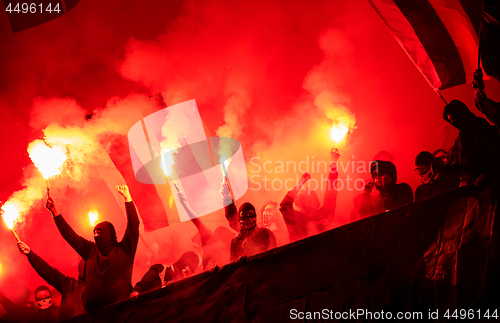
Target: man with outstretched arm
109, 262
71, 289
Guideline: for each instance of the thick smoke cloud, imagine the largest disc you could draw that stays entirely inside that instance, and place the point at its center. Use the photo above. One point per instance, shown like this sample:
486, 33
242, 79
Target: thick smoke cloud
275, 75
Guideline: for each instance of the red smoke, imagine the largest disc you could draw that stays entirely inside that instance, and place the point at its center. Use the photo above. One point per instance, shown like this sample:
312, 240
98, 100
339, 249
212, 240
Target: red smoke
269, 73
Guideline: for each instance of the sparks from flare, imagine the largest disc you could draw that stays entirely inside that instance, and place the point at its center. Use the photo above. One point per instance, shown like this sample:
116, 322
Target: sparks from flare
93, 216
10, 214
47, 160
338, 133
167, 161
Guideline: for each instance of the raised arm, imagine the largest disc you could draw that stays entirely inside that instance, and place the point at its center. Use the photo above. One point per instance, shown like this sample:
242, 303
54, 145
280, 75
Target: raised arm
296, 229
131, 236
230, 210
331, 192
150, 280
205, 233
50, 274
81, 245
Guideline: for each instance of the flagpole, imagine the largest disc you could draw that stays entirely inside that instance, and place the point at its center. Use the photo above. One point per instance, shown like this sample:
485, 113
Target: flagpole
439, 93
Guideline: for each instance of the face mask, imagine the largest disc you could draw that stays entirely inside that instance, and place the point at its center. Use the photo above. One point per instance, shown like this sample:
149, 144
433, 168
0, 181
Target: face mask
44, 303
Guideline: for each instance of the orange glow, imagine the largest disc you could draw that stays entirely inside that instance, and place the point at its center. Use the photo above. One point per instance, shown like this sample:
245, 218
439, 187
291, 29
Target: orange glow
48, 160
10, 212
93, 215
338, 133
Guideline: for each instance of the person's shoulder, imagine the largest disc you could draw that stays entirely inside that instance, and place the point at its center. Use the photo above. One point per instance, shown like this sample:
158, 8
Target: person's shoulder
404, 186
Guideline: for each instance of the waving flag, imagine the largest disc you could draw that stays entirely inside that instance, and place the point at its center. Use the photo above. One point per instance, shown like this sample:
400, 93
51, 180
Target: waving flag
439, 36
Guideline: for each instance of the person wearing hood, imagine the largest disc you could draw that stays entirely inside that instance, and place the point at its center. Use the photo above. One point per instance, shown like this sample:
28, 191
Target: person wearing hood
430, 170
388, 194
71, 289
109, 262
310, 217
251, 239
47, 312
475, 156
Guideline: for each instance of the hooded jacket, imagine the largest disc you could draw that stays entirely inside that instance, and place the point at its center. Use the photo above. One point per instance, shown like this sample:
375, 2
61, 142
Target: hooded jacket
476, 151
71, 289
109, 265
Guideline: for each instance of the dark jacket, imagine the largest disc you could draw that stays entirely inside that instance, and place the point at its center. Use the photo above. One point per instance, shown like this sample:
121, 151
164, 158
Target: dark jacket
391, 196
108, 278
300, 224
476, 151
50, 315
71, 289
256, 241
440, 184
150, 280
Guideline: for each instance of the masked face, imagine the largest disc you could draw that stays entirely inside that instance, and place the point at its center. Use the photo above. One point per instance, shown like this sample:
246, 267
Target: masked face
247, 220
268, 215
425, 172
43, 299
380, 179
105, 236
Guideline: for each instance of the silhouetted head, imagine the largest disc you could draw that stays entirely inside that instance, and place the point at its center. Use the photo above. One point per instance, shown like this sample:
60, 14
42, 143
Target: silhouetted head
458, 115
43, 298
247, 216
105, 237
443, 155
268, 212
383, 155
383, 173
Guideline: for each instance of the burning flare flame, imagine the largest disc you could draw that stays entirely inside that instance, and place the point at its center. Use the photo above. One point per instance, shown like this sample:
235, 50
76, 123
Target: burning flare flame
93, 215
48, 160
167, 161
338, 133
10, 213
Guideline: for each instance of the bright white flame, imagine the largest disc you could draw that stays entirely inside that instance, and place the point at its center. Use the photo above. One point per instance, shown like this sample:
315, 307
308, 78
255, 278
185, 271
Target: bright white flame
338, 132
167, 161
93, 217
48, 160
11, 212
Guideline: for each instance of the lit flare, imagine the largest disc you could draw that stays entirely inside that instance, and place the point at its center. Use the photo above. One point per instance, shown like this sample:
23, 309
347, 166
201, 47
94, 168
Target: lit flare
338, 133
93, 215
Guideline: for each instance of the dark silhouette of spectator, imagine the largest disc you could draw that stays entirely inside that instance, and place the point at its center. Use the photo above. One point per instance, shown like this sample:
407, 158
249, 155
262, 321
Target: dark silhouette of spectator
213, 246
18, 306
475, 156
443, 155
270, 218
71, 289
388, 194
251, 239
47, 311
430, 170
109, 262
310, 218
